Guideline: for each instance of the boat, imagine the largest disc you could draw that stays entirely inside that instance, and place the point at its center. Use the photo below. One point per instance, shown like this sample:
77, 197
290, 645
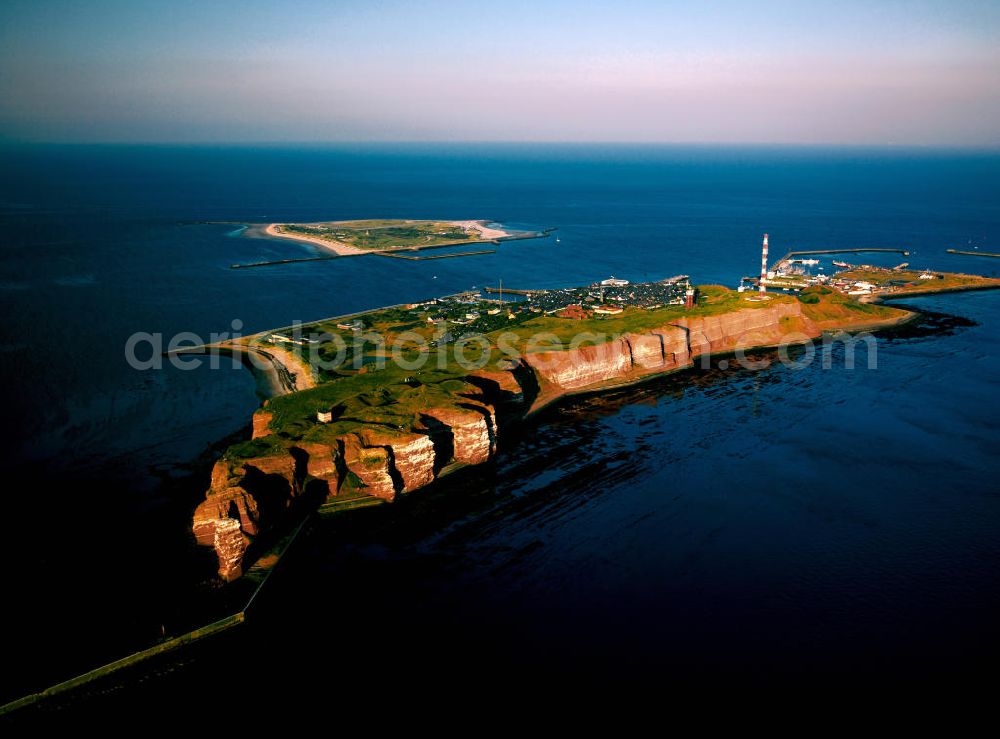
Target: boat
840, 264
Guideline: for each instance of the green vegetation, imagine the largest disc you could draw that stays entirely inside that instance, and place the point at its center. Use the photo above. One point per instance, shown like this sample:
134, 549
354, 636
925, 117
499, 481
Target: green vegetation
909, 280
391, 397
385, 234
821, 304
265, 446
384, 396
713, 300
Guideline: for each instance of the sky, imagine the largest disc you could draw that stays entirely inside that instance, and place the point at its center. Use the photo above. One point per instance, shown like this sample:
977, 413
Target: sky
891, 72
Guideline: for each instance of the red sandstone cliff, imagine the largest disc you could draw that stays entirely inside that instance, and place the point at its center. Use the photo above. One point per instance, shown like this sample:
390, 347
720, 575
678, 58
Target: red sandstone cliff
251, 492
667, 348
458, 426
261, 421
751, 327
247, 496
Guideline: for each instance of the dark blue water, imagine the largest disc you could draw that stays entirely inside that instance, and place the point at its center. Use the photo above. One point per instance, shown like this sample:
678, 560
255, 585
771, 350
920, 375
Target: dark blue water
747, 518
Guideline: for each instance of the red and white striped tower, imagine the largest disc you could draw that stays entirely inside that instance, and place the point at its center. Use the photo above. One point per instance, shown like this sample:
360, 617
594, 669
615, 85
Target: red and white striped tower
763, 267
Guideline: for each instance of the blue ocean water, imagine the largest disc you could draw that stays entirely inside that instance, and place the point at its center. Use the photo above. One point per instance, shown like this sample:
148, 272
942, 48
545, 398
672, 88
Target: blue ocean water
763, 515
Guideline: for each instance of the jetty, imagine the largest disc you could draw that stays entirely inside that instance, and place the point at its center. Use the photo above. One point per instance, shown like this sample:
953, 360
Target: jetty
396, 255
972, 253
282, 261
512, 291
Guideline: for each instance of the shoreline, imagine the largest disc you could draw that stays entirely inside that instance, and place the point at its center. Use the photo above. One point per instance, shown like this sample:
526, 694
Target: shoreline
338, 248
280, 371
401, 467
285, 371
542, 402
923, 292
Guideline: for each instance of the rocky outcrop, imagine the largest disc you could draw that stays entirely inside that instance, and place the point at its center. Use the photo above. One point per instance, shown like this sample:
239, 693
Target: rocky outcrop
261, 423
676, 352
473, 430
674, 346
647, 350
743, 329
230, 545
225, 500
661, 350
221, 504
249, 494
370, 464
411, 456
322, 462
588, 365
388, 452
502, 385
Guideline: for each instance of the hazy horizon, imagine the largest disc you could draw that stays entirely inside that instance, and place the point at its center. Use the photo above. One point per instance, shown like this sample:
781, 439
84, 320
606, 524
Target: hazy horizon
907, 74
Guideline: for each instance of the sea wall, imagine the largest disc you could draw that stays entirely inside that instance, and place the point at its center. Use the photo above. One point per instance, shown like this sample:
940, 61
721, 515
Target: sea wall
247, 496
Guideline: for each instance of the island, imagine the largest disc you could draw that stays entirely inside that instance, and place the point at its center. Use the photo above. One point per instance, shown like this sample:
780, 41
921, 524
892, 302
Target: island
350, 238
376, 405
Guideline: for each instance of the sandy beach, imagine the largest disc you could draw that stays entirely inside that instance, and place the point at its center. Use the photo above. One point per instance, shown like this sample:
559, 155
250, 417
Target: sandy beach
343, 250
485, 233
294, 373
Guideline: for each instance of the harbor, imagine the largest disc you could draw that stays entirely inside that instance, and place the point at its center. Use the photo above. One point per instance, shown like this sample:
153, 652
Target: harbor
813, 252
865, 282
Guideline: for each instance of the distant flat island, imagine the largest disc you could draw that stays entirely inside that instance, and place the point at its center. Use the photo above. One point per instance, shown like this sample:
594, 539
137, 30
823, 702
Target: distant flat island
348, 238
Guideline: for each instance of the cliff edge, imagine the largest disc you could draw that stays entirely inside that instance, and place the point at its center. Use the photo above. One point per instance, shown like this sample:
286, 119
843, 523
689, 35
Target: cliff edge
384, 441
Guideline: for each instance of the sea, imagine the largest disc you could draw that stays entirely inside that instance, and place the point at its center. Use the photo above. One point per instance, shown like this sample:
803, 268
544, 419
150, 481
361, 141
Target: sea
809, 522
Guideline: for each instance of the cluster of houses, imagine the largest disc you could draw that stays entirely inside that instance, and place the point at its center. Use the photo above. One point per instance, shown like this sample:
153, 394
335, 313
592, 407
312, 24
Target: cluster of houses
468, 313
611, 296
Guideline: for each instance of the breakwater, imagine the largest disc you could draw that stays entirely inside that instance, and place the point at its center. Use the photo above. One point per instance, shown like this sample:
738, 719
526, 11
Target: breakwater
793, 254
275, 262
972, 253
397, 255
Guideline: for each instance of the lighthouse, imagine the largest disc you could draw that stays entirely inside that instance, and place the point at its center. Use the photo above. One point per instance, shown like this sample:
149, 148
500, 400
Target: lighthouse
689, 298
763, 267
